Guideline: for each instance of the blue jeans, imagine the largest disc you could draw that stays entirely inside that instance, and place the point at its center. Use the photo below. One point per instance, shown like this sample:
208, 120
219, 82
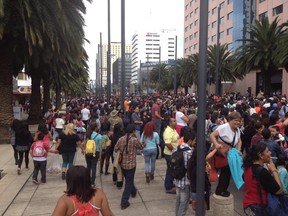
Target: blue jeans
91, 162
130, 188
182, 200
150, 158
168, 178
68, 159
39, 165
157, 123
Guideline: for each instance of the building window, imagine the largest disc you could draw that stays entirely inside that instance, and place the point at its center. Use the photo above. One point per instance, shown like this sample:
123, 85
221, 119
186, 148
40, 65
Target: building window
196, 22
195, 34
263, 15
186, 28
196, 10
191, 14
195, 46
221, 5
230, 16
214, 24
221, 34
221, 20
186, 50
213, 38
190, 48
229, 1
191, 3
190, 25
214, 10
186, 39
186, 6
260, 1
191, 37
229, 31
278, 10
209, 27
186, 18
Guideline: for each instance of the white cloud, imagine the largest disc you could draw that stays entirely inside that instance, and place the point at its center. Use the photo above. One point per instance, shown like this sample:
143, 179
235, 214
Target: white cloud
145, 15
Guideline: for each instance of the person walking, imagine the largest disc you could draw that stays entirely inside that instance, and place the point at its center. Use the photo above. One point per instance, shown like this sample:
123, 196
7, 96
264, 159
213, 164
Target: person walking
92, 159
128, 145
23, 141
151, 140
14, 127
66, 146
156, 114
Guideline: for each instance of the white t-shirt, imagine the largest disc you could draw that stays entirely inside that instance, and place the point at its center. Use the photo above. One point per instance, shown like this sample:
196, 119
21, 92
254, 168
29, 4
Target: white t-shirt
59, 123
85, 114
180, 121
226, 133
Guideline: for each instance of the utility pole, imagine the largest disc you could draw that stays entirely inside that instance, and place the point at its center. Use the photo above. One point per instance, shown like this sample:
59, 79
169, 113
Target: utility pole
122, 53
175, 72
202, 79
101, 64
109, 57
217, 73
148, 75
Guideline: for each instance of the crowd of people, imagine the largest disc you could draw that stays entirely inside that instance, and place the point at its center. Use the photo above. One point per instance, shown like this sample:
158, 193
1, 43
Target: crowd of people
249, 129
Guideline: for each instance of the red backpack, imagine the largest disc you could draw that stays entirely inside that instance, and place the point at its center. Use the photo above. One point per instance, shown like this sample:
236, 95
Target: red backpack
84, 210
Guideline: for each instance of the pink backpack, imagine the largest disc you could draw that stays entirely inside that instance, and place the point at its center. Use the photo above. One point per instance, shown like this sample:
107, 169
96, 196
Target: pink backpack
38, 150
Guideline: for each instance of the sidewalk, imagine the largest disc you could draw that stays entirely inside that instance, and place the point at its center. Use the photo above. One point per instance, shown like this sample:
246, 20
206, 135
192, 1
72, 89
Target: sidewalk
19, 196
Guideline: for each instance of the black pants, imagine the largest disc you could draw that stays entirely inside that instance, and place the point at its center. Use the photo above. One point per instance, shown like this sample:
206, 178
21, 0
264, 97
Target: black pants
40, 165
20, 161
224, 180
15, 154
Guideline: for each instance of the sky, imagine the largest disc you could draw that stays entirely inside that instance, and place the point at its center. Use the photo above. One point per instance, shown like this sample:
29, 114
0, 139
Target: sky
140, 15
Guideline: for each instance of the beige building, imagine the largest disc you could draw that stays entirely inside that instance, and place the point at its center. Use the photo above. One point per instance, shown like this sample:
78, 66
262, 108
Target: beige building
234, 18
115, 54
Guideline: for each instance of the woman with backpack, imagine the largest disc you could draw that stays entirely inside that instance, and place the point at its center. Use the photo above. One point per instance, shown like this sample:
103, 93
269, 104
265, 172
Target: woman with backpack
92, 159
260, 176
80, 198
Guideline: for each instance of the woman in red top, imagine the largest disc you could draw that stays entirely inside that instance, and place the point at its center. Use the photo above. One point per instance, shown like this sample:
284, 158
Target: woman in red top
260, 156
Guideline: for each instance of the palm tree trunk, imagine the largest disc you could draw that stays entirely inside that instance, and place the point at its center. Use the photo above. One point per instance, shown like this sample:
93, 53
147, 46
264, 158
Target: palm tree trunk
267, 80
46, 93
58, 96
186, 90
6, 89
35, 113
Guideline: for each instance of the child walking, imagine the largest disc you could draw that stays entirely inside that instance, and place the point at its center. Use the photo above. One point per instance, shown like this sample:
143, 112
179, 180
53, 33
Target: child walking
39, 151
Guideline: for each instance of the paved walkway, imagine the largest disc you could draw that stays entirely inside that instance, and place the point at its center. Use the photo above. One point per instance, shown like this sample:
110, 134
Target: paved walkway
19, 196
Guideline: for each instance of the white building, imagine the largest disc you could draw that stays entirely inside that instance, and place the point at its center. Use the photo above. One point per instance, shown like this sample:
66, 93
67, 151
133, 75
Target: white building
151, 47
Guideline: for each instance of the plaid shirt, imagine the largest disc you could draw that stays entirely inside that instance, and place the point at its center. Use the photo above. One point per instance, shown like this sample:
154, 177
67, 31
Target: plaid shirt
129, 155
186, 154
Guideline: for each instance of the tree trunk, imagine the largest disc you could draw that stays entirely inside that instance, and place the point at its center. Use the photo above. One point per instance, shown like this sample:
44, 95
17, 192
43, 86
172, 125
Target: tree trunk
35, 113
58, 96
186, 90
46, 94
267, 80
6, 89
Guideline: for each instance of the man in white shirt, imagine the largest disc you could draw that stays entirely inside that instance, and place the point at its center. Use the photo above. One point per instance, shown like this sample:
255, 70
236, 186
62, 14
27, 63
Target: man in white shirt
85, 115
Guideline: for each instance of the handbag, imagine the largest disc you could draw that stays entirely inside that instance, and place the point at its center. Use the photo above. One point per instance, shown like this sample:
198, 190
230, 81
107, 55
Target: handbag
220, 157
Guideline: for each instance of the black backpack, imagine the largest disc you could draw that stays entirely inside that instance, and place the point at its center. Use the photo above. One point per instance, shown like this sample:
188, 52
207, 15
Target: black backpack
177, 166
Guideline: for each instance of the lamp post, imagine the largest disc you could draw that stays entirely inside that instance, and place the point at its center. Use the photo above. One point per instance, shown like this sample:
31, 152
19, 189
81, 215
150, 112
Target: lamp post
148, 76
175, 73
109, 57
202, 79
122, 53
159, 75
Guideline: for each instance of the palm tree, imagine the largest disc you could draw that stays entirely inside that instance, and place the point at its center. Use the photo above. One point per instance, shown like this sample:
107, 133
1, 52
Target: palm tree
184, 68
157, 73
258, 52
226, 63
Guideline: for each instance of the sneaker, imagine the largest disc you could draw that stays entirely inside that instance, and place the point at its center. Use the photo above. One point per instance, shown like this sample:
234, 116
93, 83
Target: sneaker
43, 181
63, 175
35, 181
125, 206
18, 171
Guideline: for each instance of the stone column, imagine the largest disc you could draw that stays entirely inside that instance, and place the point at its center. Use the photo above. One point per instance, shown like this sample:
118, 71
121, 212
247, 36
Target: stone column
222, 206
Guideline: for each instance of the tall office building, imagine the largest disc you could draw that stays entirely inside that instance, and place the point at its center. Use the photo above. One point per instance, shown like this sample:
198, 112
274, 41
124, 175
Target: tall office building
117, 71
151, 47
115, 54
234, 18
